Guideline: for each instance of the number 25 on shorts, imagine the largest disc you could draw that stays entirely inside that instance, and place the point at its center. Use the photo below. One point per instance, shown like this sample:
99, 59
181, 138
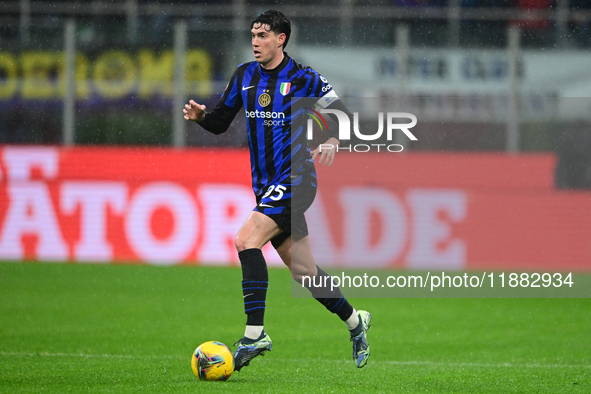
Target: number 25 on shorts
279, 189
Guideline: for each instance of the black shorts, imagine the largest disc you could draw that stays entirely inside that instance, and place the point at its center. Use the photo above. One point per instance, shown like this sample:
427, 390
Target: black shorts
286, 203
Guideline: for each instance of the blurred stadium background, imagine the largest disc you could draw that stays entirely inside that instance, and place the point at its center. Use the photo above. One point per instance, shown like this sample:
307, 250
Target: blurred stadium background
98, 164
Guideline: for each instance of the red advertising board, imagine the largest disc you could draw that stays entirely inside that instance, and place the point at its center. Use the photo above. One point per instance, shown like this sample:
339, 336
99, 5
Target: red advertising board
455, 211
414, 211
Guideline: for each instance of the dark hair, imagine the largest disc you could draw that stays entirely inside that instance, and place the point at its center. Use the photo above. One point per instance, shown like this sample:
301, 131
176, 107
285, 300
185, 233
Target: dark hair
277, 21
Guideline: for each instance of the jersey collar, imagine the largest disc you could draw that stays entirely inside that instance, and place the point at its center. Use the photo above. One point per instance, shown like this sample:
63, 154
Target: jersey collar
280, 67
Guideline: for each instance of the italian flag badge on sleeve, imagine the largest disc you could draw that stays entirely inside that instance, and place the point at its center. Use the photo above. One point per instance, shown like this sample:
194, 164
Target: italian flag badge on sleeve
284, 89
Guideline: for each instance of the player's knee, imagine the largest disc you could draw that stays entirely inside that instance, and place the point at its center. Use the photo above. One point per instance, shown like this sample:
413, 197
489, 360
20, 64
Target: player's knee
243, 242
240, 243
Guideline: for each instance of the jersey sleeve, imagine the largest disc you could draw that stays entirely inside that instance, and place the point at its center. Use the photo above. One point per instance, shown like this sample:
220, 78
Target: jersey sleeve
218, 120
319, 85
327, 98
321, 88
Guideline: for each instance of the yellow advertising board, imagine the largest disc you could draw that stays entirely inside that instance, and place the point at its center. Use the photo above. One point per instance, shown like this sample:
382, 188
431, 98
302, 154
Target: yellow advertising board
39, 75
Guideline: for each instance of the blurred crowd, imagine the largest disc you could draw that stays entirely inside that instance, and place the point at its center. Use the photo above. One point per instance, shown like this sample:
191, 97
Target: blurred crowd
526, 4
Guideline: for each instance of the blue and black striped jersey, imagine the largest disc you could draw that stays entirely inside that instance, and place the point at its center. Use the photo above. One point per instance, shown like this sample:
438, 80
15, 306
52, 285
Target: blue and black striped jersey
278, 148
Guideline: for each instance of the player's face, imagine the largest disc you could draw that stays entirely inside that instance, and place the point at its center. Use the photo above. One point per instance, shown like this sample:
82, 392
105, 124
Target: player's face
266, 45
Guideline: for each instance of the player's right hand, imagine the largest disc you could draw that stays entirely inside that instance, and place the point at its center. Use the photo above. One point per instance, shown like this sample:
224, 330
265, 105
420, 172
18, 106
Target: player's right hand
326, 151
194, 111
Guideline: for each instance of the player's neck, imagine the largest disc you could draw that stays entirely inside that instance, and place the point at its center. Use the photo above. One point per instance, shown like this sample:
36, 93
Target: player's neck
276, 61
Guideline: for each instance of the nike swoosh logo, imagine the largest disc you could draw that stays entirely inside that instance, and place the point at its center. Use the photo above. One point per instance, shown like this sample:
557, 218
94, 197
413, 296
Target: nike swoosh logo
265, 205
246, 87
247, 295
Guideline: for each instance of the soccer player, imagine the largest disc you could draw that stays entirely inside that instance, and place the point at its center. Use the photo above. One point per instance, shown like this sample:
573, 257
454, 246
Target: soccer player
283, 179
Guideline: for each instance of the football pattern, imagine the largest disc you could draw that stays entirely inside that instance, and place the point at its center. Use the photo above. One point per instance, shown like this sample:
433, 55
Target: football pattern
212, 361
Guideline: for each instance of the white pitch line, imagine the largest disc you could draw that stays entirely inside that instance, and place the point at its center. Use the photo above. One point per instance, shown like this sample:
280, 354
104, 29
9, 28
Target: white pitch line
442, 364
486, 365
265, 361
84, 355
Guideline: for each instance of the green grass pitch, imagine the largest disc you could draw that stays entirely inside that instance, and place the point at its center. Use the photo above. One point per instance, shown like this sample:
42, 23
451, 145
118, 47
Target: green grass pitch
73, 328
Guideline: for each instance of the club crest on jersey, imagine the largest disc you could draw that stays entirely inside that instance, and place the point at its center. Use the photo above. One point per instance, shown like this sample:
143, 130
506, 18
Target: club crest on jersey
264, 99
284, 88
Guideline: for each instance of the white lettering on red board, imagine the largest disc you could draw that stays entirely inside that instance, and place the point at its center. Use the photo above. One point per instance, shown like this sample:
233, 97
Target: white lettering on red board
414, 230
430, 230
93, 199
181, 204
30, 210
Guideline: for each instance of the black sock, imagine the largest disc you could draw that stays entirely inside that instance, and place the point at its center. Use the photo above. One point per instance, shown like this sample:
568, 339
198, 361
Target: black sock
333, 300
255, 281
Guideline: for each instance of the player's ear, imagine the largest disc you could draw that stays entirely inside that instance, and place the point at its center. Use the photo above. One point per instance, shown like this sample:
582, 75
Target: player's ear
281, 38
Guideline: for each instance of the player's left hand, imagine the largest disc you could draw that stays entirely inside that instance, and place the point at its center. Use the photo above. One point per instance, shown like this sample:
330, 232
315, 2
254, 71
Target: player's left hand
326, 151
